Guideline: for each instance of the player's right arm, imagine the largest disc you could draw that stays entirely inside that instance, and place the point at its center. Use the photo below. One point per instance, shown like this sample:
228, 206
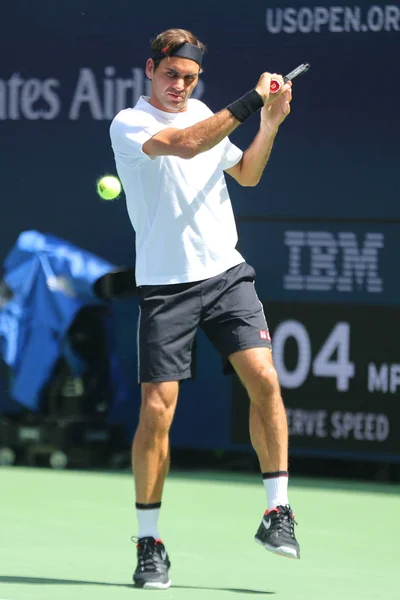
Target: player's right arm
188, 142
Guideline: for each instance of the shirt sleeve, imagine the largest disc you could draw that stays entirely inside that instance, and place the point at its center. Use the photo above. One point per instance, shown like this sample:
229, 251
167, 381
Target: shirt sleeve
231, 155
128, 137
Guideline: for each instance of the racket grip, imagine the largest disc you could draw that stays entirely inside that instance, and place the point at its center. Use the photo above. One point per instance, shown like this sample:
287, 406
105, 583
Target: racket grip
275, 85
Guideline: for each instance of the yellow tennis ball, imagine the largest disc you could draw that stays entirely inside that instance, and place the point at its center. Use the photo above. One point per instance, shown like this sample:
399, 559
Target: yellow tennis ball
109, 187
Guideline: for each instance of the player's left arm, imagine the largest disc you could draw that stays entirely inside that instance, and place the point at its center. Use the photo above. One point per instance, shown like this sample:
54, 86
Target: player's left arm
249, 169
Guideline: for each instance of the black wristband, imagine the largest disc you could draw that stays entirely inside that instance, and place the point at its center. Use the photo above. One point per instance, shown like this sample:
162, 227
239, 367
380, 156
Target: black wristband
246, 106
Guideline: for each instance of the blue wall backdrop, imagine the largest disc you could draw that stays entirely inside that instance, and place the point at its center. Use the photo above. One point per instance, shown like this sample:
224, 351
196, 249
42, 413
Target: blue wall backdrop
321, 228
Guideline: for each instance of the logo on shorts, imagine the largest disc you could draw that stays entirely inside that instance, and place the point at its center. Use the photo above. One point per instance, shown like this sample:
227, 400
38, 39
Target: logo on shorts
264, 335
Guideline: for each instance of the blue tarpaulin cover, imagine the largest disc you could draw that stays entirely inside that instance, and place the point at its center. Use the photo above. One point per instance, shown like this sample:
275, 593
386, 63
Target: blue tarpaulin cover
51, 280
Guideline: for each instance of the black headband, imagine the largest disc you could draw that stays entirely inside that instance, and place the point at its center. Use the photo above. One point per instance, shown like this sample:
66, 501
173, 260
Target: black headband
185, 50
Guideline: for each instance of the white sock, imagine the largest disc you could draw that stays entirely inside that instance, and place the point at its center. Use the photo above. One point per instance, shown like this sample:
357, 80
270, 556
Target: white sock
276, 486
148, 522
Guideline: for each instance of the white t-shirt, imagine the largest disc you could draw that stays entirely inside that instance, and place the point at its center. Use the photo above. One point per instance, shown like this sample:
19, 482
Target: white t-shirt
180, 209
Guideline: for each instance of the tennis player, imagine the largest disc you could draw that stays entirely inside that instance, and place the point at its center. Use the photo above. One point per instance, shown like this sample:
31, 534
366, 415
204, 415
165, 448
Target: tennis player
171, 155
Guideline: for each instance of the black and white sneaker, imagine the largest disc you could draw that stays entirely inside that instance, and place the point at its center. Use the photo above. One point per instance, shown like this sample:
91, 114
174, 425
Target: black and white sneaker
276, 532
153, 565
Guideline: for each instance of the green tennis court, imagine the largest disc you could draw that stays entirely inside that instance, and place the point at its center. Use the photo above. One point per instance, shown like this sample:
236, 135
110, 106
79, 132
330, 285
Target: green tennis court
66, 535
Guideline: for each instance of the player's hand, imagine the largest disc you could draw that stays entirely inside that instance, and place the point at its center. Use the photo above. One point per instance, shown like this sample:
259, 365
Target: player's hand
275, 112
264, 84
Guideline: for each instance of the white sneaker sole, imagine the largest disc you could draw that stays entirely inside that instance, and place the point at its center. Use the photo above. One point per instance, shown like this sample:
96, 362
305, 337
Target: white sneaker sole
281, 550
156, 585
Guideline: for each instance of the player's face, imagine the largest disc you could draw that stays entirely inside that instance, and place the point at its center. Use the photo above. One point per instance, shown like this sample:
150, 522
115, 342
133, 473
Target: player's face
172, 83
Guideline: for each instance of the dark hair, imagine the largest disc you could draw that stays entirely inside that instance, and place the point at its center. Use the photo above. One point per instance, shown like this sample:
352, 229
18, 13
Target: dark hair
171, 39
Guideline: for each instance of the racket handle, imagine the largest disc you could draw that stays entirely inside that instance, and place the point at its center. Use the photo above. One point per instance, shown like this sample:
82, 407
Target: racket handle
275, 86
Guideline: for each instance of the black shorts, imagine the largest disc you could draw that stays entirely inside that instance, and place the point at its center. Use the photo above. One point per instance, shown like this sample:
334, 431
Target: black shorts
226, 307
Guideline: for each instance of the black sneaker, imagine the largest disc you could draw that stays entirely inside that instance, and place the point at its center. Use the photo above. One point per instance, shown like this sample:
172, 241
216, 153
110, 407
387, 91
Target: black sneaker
276, 532
153, 564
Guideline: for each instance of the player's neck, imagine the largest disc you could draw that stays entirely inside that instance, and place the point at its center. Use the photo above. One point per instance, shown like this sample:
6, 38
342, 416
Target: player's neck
154, 101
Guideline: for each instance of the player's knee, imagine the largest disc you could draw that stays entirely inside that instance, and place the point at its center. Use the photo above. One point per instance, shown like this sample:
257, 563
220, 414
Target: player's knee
264, 385
155, 417
157, 411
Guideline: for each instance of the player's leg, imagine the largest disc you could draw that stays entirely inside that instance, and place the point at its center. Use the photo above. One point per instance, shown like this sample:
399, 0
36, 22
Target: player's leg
150, 448
150, 463
268, 425
269, 437
236, 325
166, 332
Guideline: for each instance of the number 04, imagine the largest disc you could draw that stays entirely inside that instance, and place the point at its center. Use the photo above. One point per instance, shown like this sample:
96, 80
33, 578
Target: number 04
325, 364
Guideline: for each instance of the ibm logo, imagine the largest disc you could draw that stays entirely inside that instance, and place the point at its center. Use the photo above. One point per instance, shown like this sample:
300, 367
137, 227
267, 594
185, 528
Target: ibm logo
334, 261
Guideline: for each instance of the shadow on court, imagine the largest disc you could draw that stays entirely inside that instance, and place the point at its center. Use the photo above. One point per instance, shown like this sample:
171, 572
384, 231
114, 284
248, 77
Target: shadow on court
46, 581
